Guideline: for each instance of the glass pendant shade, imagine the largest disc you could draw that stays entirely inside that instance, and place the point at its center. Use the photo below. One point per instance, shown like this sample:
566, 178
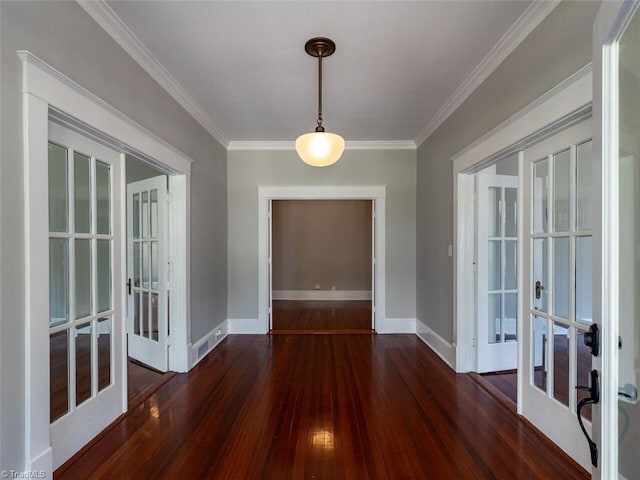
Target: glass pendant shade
320, 149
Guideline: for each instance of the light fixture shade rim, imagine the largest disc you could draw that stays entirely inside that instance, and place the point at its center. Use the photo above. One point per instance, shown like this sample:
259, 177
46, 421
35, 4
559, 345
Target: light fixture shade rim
320, 149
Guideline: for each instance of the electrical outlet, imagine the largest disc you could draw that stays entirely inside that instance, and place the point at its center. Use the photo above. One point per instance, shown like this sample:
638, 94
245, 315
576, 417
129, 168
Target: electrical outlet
333, 288
317, 287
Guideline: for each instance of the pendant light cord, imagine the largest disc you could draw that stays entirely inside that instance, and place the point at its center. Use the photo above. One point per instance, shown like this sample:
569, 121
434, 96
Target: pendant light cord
320, 128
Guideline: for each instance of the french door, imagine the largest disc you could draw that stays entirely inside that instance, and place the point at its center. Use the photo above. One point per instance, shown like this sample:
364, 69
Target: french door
148, 272
85, 295
557, 294
497, 241
617, 234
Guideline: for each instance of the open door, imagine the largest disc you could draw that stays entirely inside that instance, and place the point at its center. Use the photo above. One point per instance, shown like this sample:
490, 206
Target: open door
147, 272
616, 62
557, 264
85, 299
497, 244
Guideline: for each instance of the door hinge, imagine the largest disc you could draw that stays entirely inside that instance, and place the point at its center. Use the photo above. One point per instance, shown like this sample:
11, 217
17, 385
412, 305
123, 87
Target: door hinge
169, 340
475, 266
474, 342
168, 197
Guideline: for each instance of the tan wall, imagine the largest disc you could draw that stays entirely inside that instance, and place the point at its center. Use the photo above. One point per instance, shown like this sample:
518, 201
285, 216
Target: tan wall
249, 169
321, 242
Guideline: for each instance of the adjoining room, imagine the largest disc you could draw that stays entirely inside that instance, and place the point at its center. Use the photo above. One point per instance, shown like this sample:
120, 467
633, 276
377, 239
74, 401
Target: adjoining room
322, 272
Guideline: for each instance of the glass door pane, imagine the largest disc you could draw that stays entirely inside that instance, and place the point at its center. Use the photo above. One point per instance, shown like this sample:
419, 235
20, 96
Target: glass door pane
82, 189
58, 189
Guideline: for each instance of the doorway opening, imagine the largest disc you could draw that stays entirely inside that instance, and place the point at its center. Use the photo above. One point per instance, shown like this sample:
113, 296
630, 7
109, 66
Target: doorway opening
322, 266
496, 247
376, 194
147, 297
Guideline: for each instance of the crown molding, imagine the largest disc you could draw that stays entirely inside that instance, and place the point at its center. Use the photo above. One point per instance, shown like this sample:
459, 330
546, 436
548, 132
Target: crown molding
535, 13
545, 116
236, 145
120, 32
381, 145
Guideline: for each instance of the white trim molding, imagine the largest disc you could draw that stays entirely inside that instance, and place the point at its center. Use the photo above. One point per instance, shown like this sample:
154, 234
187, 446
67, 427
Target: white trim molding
210, 341
445, 350
535, 13
72, 104
111, 23
396, 325
244, 326
533, 123
349, 145
266, 193
328, 295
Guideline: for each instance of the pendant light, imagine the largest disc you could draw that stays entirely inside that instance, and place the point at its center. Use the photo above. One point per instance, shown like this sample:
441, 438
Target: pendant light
320, 148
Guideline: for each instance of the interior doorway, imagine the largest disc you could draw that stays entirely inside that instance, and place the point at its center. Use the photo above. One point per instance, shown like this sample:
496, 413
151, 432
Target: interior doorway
496, 246
322, 266
147, 279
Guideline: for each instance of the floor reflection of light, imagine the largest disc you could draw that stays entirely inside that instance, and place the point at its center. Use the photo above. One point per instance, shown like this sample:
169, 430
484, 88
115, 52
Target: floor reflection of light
322, 438
154, 411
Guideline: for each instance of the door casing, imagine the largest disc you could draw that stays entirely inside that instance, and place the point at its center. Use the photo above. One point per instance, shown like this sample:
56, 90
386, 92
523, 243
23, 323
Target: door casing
47, 93
564, 105
376, 193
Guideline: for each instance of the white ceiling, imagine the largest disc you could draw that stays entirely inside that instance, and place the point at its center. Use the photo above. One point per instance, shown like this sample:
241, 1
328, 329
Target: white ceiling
399, 70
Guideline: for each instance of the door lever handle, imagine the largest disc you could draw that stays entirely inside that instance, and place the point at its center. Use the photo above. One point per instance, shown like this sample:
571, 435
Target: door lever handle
593, 398
129, 286
539, 289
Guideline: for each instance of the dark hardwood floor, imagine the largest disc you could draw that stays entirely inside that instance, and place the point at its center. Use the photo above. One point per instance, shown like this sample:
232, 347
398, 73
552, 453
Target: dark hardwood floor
142, 381
507, 381
348, 316
322, 406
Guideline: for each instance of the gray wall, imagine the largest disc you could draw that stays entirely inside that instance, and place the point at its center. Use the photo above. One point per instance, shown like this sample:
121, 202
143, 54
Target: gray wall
324, 243
64, 36
249, 169
558, 47
138, 170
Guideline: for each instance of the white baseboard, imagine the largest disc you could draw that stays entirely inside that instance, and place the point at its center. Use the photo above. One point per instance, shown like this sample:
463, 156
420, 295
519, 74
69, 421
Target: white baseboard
239, 326
321, 295
41, 465
439, 345
396, 325
202, 347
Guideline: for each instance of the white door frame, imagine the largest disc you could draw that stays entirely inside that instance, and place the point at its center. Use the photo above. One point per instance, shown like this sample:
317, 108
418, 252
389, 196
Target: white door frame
564, 105
611, 21
47, 92
376, 193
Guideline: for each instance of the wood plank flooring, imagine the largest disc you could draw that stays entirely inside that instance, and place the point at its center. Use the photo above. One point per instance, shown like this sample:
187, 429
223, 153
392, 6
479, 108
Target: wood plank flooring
350, 316
322, 406
507, 381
